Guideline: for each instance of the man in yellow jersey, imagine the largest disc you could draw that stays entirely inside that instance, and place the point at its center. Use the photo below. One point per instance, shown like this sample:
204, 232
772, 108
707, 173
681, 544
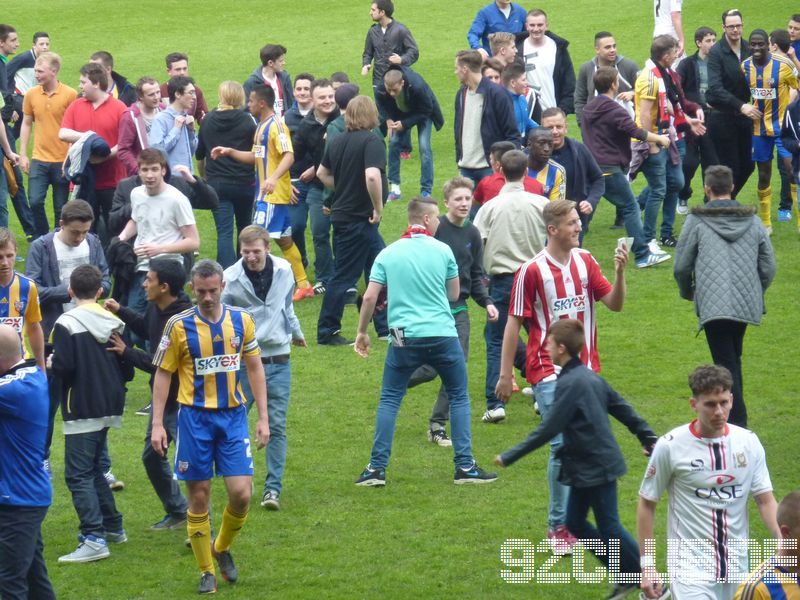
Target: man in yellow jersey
542, 168
272, 156
206, 345
19, 299
770, 78
777, 577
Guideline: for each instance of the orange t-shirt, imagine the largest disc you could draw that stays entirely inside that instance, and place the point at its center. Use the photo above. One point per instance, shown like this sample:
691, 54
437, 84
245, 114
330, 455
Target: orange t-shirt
47, 111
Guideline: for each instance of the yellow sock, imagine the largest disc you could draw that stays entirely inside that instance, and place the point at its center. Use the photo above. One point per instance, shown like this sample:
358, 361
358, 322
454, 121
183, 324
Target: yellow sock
765, 206
292, 254
199, 528
232, 524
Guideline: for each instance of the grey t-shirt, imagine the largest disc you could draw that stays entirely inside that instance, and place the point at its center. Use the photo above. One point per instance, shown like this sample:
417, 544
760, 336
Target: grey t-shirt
472, 155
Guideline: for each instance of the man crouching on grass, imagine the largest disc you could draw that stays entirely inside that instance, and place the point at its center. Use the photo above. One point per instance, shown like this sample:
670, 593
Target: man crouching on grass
591, 458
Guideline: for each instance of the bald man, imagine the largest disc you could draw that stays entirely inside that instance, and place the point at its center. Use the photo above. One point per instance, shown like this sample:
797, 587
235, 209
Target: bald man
25, 490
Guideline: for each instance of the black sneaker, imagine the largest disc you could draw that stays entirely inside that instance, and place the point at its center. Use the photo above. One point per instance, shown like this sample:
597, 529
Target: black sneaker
351, 296
670, 241
144, 411
319, 288
473, 475
439, 437
225, 561
622, 590
208, 584
337, 339
372, 477
169, 522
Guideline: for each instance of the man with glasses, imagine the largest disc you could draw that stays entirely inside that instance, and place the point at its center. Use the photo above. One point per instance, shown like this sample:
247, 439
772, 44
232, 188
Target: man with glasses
730, 119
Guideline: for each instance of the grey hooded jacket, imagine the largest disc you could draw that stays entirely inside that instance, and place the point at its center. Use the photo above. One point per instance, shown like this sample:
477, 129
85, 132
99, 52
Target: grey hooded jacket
724, 262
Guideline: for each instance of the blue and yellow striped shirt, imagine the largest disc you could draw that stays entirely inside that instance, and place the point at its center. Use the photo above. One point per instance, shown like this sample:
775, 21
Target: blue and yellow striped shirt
553, 178
769, 91
769, 582
207, 356
19, 304
271, 142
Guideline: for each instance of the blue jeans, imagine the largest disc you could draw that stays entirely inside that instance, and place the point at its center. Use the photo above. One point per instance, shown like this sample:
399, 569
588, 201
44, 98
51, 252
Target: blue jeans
3, 199
19, 200
298, 213
235, 202
619, 193
602, 499
137, 302
500, 291
91, 496
664, 183
41, 176
445, 355
279, 382
355, 246
544, 393
23, 573
320, 235
424, 130
475, 174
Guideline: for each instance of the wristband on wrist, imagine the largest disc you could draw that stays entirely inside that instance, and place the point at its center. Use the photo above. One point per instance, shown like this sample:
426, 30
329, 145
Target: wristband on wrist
647, 561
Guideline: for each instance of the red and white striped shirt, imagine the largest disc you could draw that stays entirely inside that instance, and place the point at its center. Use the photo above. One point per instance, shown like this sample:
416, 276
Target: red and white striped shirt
544, 291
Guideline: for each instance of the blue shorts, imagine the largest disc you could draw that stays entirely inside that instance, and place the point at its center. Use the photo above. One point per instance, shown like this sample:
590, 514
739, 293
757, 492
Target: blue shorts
274, 218
762, 148
209, 438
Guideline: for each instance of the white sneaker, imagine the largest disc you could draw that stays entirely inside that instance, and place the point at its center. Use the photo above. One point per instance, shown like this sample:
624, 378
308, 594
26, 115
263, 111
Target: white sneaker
683, 207
655, 247
495, 415
115, 484
90, 549
652, 259
527, 391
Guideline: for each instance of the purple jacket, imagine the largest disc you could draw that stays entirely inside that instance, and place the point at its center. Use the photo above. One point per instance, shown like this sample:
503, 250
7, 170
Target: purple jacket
132, 138
607, 131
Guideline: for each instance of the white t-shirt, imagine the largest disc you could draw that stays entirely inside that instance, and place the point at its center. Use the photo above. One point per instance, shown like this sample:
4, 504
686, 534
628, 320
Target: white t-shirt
539, 65
68, 258
159, 219
662, 10
708, 482
274, 83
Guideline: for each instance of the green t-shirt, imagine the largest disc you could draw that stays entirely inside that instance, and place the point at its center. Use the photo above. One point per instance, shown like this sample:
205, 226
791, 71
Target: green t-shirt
415, 272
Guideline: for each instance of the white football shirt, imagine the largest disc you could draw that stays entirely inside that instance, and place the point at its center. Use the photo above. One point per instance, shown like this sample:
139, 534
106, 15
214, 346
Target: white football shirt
662, 11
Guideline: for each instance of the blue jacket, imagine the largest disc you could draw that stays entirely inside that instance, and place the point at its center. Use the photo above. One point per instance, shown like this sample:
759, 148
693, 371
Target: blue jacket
24, 410
522, 114
419, 98
179, 145
490, 20
42, 267
497, 120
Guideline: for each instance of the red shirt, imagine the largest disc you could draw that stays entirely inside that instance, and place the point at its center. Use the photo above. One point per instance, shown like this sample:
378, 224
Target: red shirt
544, 291
490, 186
104, 121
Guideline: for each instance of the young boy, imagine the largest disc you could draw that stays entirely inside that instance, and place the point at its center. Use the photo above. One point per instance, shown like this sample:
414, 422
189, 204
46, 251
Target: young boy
591, 459
90, 383
516, 84
464, 240
490, 186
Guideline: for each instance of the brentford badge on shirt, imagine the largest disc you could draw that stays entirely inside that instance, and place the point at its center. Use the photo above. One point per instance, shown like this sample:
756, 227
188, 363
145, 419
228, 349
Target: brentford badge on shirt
235, 341
19, 306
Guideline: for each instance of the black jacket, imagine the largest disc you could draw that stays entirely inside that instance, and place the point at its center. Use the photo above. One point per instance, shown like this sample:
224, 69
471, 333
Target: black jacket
587, 178
497, 120
308, 143
790, 133
380, 46
125, 91
419, 98
590, 455
727, 86
284, 80
563, 71
150, 326
689, 71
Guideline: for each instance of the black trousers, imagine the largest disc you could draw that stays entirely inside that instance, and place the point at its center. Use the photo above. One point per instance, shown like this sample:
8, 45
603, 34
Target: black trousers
725, 339
700, 152
733, 141
23, 574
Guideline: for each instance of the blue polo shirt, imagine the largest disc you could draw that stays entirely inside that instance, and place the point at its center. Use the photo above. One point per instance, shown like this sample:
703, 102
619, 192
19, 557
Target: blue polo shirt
415, 271
24, 408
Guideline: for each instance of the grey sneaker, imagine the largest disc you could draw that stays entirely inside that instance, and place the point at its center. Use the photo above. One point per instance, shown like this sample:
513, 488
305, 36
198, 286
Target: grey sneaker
225, 561
119, 537
169, 522
90, 549
208, 584
271, 500
115, 484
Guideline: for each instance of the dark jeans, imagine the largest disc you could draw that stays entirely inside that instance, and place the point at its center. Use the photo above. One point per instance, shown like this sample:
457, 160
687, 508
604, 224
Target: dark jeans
235, 202
602, 499
20, 200
102, 208
619, 193
158, 468
725, 339
700, 152
41, 176
298, 213
732, 136
500, 291
786, 190
355, 246
441, 409
91, 496
23, 573
320, 235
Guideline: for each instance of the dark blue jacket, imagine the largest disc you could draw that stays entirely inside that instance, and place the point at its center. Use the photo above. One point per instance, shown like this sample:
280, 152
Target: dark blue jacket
42, 267
587, 181
419, 98
497, 121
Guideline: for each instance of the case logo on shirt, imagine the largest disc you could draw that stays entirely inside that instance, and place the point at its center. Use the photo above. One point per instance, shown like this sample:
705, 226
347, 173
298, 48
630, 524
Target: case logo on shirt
722, 487
221, 363
15, 322
570, 304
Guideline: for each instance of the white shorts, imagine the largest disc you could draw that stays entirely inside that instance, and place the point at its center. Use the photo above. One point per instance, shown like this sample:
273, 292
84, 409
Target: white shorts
702, 591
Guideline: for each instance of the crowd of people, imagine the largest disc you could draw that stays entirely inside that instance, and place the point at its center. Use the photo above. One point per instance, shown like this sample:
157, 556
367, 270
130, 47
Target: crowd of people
128, 165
